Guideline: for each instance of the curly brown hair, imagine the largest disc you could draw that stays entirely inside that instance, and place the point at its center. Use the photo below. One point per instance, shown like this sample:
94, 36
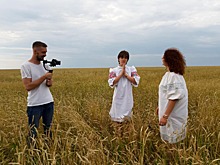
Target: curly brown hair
175, 60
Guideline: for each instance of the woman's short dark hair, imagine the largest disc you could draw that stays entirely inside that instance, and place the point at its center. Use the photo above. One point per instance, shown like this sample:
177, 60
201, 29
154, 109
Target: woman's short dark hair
123, 54
175, 60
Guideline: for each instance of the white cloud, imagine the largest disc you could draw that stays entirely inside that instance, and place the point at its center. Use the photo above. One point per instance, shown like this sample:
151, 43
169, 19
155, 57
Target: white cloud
96, 28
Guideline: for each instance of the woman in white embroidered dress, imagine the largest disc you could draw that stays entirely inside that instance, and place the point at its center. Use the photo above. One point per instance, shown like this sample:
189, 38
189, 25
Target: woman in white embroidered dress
122, 78
173, 98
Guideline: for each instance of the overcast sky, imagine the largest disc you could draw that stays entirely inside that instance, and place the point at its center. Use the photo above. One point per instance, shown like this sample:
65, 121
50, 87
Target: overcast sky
91, 33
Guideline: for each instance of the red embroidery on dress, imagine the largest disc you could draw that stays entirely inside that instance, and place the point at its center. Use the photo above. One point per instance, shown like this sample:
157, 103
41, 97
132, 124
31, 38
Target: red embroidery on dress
112, 75
134, 74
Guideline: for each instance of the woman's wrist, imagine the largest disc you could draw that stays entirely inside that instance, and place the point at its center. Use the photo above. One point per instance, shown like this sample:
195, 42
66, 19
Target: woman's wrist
165, 116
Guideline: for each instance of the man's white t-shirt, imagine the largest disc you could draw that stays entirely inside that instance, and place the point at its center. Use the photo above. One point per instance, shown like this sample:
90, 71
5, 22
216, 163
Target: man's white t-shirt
41, 94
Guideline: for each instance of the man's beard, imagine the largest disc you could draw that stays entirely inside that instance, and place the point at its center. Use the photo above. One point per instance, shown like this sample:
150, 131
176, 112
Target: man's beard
40, 58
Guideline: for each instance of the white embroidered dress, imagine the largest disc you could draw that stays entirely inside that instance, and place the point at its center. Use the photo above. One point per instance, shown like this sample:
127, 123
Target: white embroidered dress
173, 87
122, 102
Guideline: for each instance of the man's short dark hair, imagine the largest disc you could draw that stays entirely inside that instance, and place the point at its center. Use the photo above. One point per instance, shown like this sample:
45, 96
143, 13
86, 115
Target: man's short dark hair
39, 44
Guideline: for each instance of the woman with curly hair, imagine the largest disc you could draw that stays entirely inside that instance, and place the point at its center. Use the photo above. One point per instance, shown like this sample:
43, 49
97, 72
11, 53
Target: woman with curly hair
173, 98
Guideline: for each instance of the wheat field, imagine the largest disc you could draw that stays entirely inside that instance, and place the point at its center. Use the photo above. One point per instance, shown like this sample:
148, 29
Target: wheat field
84, 134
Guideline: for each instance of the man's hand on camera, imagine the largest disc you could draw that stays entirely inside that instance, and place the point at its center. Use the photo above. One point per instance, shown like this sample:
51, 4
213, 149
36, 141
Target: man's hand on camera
49, 82
48, 75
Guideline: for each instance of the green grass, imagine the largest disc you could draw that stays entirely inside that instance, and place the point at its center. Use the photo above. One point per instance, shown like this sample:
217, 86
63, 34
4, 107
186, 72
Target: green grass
82, 130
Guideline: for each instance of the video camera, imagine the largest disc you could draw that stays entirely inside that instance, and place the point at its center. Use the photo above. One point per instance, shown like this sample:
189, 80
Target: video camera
53, 63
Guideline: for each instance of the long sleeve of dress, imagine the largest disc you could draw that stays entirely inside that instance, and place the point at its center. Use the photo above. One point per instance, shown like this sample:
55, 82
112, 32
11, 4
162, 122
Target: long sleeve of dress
135, 75
111, 77
175, 87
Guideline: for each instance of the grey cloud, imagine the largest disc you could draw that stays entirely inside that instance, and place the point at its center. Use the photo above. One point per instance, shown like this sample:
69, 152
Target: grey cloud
93, 29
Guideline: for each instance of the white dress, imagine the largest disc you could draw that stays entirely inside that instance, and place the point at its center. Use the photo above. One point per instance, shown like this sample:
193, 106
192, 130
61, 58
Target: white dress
173, 87
122, 102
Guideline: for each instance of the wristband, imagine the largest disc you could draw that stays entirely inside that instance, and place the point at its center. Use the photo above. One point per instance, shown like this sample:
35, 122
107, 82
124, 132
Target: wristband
165, 116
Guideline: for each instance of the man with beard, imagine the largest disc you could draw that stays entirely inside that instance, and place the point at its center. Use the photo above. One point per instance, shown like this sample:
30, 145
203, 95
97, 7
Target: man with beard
37, 82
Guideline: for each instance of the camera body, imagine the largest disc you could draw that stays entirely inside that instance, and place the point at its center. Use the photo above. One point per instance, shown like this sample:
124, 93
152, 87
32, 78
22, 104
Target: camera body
52, 63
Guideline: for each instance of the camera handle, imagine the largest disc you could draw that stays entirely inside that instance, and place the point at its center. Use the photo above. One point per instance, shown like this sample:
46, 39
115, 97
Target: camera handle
49, 70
